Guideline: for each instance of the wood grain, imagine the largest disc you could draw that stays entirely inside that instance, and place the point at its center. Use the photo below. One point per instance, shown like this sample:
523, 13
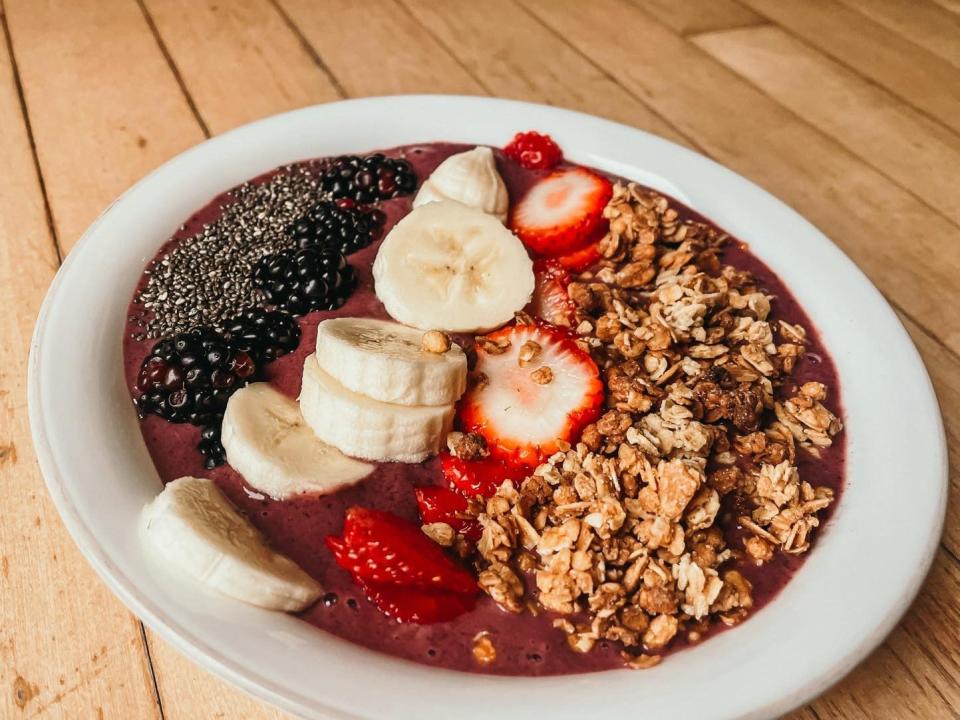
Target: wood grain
68, 648
927, 24
873, 219
239, 60
696, 16
919, 154
513, 55
377, 48
927, 80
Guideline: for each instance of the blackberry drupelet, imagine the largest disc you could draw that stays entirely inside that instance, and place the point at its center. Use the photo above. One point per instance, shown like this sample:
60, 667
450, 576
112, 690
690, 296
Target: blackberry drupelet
368, 179
345, 227
264, 334
299, 281
211, 447
189, 377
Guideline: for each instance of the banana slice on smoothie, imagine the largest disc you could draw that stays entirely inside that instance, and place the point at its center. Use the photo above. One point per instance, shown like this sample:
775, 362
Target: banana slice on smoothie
370, 429
471, 178
451, 267
386, 361
268, 442
192, 528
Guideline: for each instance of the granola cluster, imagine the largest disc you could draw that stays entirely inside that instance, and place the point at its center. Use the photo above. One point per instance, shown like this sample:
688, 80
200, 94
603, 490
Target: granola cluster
619, 535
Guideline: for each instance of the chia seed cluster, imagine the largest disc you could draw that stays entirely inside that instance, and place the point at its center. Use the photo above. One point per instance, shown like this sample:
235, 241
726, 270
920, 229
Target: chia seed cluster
205, 280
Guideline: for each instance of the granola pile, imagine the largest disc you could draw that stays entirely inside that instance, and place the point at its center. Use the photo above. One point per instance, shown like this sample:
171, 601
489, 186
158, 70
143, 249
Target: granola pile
619, 535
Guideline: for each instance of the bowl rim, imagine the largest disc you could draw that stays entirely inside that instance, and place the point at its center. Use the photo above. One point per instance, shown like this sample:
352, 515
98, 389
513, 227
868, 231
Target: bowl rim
456, 108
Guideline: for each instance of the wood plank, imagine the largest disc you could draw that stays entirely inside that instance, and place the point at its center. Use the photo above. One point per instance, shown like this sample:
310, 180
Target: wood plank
883, 131
951, 5
915, 674
515, 56
929, 25
926, 80
377, 48
696, 16
870, 217
68, 648
261, 66
105, 107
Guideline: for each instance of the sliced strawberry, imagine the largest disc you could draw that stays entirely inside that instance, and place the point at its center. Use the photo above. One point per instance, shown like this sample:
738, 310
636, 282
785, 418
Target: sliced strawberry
563, 212
534, 151
550, 299
480, 477
440, 504
522, 410
408, 604
380, 547
581, 259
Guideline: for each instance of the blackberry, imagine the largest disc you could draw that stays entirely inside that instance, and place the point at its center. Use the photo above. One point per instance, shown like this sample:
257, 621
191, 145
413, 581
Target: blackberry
345, 227
368, 179
263, 334
189, 377
312, 278
210, 446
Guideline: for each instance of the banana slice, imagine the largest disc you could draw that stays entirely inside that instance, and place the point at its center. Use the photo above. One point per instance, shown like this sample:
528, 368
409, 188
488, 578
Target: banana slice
367, 428
276, 452
192, 527
447, 266
385, 361
469, 177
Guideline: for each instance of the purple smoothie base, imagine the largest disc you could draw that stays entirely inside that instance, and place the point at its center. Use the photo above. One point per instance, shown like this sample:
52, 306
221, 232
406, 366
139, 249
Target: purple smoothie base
526, 645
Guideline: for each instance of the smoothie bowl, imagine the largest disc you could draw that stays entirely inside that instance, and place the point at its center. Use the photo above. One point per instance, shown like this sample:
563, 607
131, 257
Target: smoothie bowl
526, 403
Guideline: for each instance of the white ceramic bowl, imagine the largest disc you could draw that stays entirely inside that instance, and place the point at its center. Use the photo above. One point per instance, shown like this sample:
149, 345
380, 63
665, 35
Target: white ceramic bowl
853, 588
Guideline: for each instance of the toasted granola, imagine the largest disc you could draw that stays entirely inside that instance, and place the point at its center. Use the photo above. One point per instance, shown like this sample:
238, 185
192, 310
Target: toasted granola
619, 535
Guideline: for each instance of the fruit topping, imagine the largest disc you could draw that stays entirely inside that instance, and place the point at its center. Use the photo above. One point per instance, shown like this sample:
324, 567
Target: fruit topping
311, 278
189, 379
414, 605
580, 260
563, 212
348, 229
482, 476
471, 178
534, 151
368, 179
536, 387
447, 266
551, 302
404, 573
443, 505
263, 334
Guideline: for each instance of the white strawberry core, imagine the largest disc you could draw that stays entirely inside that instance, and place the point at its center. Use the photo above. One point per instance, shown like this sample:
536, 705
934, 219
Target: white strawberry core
518, 408
557, 199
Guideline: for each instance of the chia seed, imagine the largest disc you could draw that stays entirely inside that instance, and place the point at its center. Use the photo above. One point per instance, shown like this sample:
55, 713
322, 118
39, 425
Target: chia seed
204, 279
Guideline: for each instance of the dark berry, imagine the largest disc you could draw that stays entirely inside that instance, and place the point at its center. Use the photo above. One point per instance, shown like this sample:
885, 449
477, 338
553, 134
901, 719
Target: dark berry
368, 179
189, 378
534, 151
210, 446
347, 228
311, 278
264, 335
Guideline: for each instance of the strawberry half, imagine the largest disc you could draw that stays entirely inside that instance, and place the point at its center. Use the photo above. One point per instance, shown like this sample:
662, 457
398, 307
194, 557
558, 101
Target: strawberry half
580, 260
381, 548
550, 301
563, 212
407, 604
480, 477
440, 504
524, 409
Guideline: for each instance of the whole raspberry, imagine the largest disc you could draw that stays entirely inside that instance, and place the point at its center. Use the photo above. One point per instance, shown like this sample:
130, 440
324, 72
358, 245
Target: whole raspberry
534, 151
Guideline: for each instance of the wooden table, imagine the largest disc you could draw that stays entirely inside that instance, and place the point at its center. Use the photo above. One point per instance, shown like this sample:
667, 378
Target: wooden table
848, 110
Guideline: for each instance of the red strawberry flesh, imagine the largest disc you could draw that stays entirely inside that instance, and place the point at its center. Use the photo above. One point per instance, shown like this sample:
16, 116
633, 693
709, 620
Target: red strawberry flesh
380, 547
550, 301
415, 605
440, 504
480, 477
534, 151
520, 418
563, 212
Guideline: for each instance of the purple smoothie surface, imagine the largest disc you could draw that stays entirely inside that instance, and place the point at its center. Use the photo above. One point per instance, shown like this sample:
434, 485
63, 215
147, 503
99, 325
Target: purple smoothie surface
526, 644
